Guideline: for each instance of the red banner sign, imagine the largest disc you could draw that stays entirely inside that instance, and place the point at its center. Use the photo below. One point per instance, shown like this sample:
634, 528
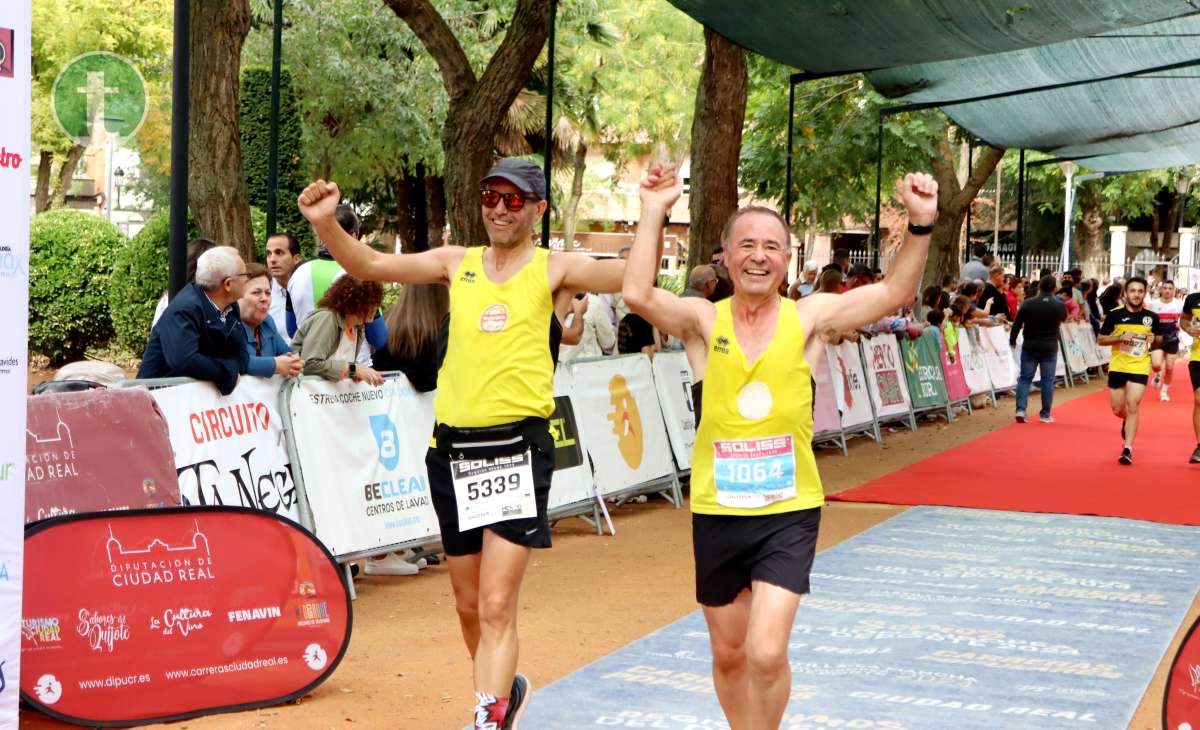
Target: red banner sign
1181, 702
70, 440
152, 615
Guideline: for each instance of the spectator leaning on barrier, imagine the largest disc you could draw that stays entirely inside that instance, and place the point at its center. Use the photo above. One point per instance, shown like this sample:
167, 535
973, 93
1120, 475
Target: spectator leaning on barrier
975, 268
1040, 318
200, 334
331, 337
416, 326
992, 300
269, 352
807, 283
597, 336
195, 248
283, 256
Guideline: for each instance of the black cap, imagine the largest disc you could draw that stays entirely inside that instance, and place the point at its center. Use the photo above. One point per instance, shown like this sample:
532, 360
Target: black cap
527, 176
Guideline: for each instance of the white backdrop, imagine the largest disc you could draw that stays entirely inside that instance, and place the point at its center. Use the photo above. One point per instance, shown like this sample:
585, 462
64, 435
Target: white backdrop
974, 367
14, 303
673, 381
617, 410
231, 449
372, 490
850, 385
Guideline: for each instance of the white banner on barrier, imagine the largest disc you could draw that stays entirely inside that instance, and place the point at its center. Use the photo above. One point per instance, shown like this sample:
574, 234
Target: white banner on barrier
571, 483
230, 449
14, 302
1085, 339
366, 486
850, 385
974, 366
673, 382
885, 376
1071, 350
1001, 365
623, 429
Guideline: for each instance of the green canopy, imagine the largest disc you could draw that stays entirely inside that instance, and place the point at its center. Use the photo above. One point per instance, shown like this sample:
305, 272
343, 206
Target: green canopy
1110, 83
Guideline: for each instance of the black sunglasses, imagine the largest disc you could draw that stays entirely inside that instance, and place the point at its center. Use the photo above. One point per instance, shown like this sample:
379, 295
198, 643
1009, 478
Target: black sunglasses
512, 201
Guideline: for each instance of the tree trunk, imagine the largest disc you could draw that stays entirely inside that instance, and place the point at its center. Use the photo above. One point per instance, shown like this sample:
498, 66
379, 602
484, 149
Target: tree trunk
435, 209
41, 195
216, 189
1168, 232
571, 210
66, 173
953, 202
1090, 237
477, 107
406, 190
716, 144
1154, 240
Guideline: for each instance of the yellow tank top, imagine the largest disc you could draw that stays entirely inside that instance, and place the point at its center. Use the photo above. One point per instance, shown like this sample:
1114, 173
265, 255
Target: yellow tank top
753, 452
498, 367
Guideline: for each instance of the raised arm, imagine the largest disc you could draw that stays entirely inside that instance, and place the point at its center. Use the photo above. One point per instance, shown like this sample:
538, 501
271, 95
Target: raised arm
318, 203
664, 310
584, 273
866, 304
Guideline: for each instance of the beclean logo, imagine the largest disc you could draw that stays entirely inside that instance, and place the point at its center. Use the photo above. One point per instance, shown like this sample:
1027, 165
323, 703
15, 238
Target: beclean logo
99, 90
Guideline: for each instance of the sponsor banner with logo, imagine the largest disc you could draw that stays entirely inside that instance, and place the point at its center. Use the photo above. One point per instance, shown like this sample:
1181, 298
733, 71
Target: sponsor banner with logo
1071, 350
850, 385
673, 382
826, 419
69, 442
1001, 367
1181, 701
1085, 339
885, 376
923, 369
622, 425
14, 303
372, 490
956, 377
165, 614
971, 356
571, 483
230, 450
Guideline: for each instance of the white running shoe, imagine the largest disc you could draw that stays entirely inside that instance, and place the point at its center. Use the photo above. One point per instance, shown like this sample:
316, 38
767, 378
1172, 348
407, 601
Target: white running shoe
1164, 396
390, 564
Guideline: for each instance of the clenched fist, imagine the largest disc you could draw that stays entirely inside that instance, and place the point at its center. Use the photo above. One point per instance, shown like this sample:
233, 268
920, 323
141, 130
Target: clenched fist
919, 193
319, 200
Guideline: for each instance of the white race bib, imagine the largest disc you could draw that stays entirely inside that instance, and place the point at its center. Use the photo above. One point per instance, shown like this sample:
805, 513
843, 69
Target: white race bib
493, 490
1137, 348
752, 473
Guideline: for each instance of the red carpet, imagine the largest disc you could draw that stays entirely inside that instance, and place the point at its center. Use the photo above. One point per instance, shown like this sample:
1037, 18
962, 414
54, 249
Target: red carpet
1067, 467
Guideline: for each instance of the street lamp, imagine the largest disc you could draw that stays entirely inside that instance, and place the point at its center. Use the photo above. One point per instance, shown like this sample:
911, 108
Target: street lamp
118, 183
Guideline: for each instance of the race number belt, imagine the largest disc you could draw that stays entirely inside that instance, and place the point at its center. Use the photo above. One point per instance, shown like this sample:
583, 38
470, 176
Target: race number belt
493, 490
752, 473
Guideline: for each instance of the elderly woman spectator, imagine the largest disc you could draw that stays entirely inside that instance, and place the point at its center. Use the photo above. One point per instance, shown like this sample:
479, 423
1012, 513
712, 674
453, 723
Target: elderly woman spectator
416, 339
333, 335
269, 352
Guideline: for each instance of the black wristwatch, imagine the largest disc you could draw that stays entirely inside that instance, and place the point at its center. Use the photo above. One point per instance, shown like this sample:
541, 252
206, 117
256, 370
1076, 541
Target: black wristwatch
916, 230
353, 370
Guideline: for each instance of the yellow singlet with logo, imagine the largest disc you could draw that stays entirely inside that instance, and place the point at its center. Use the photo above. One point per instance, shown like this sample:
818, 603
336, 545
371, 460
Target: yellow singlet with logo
1131, 357
498, 367
753, 452
1191, 306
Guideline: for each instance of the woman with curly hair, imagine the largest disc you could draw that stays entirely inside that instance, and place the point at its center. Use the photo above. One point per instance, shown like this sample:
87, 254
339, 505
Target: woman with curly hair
330, 338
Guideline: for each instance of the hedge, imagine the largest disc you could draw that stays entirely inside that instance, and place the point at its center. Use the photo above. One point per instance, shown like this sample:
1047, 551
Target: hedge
71, 255
255, 125
140, 276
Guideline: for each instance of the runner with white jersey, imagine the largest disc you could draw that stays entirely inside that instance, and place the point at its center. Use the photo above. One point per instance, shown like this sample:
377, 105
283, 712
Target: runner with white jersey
1163, 358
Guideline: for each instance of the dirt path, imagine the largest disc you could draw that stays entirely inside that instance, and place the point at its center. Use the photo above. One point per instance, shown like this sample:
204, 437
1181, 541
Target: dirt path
406, 666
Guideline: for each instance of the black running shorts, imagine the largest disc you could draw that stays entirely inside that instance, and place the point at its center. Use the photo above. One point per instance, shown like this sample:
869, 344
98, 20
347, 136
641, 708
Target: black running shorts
1194, 370
733, 551
1118, 379
1170, 345
531, 532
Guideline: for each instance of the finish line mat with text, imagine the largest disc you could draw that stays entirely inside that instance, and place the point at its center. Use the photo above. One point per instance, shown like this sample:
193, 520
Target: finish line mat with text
939, 617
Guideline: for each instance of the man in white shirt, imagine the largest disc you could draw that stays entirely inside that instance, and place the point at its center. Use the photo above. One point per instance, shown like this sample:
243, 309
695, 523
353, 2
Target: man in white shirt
283, 256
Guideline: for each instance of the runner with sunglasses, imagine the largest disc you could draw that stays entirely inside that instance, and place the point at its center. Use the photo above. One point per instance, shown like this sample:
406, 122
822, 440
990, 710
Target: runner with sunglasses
491, 456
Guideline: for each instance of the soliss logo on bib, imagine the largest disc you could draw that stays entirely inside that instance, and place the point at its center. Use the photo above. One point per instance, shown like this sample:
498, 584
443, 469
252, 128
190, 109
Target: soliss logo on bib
494, 318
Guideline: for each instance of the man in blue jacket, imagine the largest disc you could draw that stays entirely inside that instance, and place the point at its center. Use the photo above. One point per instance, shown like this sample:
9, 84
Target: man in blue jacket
269, 353
201, 335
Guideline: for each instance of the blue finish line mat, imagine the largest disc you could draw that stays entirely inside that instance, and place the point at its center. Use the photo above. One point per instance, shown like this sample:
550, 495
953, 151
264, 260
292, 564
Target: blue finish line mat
936, 618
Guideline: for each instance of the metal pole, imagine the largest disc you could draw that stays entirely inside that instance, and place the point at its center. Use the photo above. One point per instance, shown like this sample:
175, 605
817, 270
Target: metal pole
874, 243
273, 154
970, 205
549, 144
177, 258
996, 223
1020, 263
787, 190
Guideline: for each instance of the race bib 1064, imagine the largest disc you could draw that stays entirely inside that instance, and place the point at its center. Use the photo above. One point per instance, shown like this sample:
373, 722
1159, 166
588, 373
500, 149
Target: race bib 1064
752, 473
